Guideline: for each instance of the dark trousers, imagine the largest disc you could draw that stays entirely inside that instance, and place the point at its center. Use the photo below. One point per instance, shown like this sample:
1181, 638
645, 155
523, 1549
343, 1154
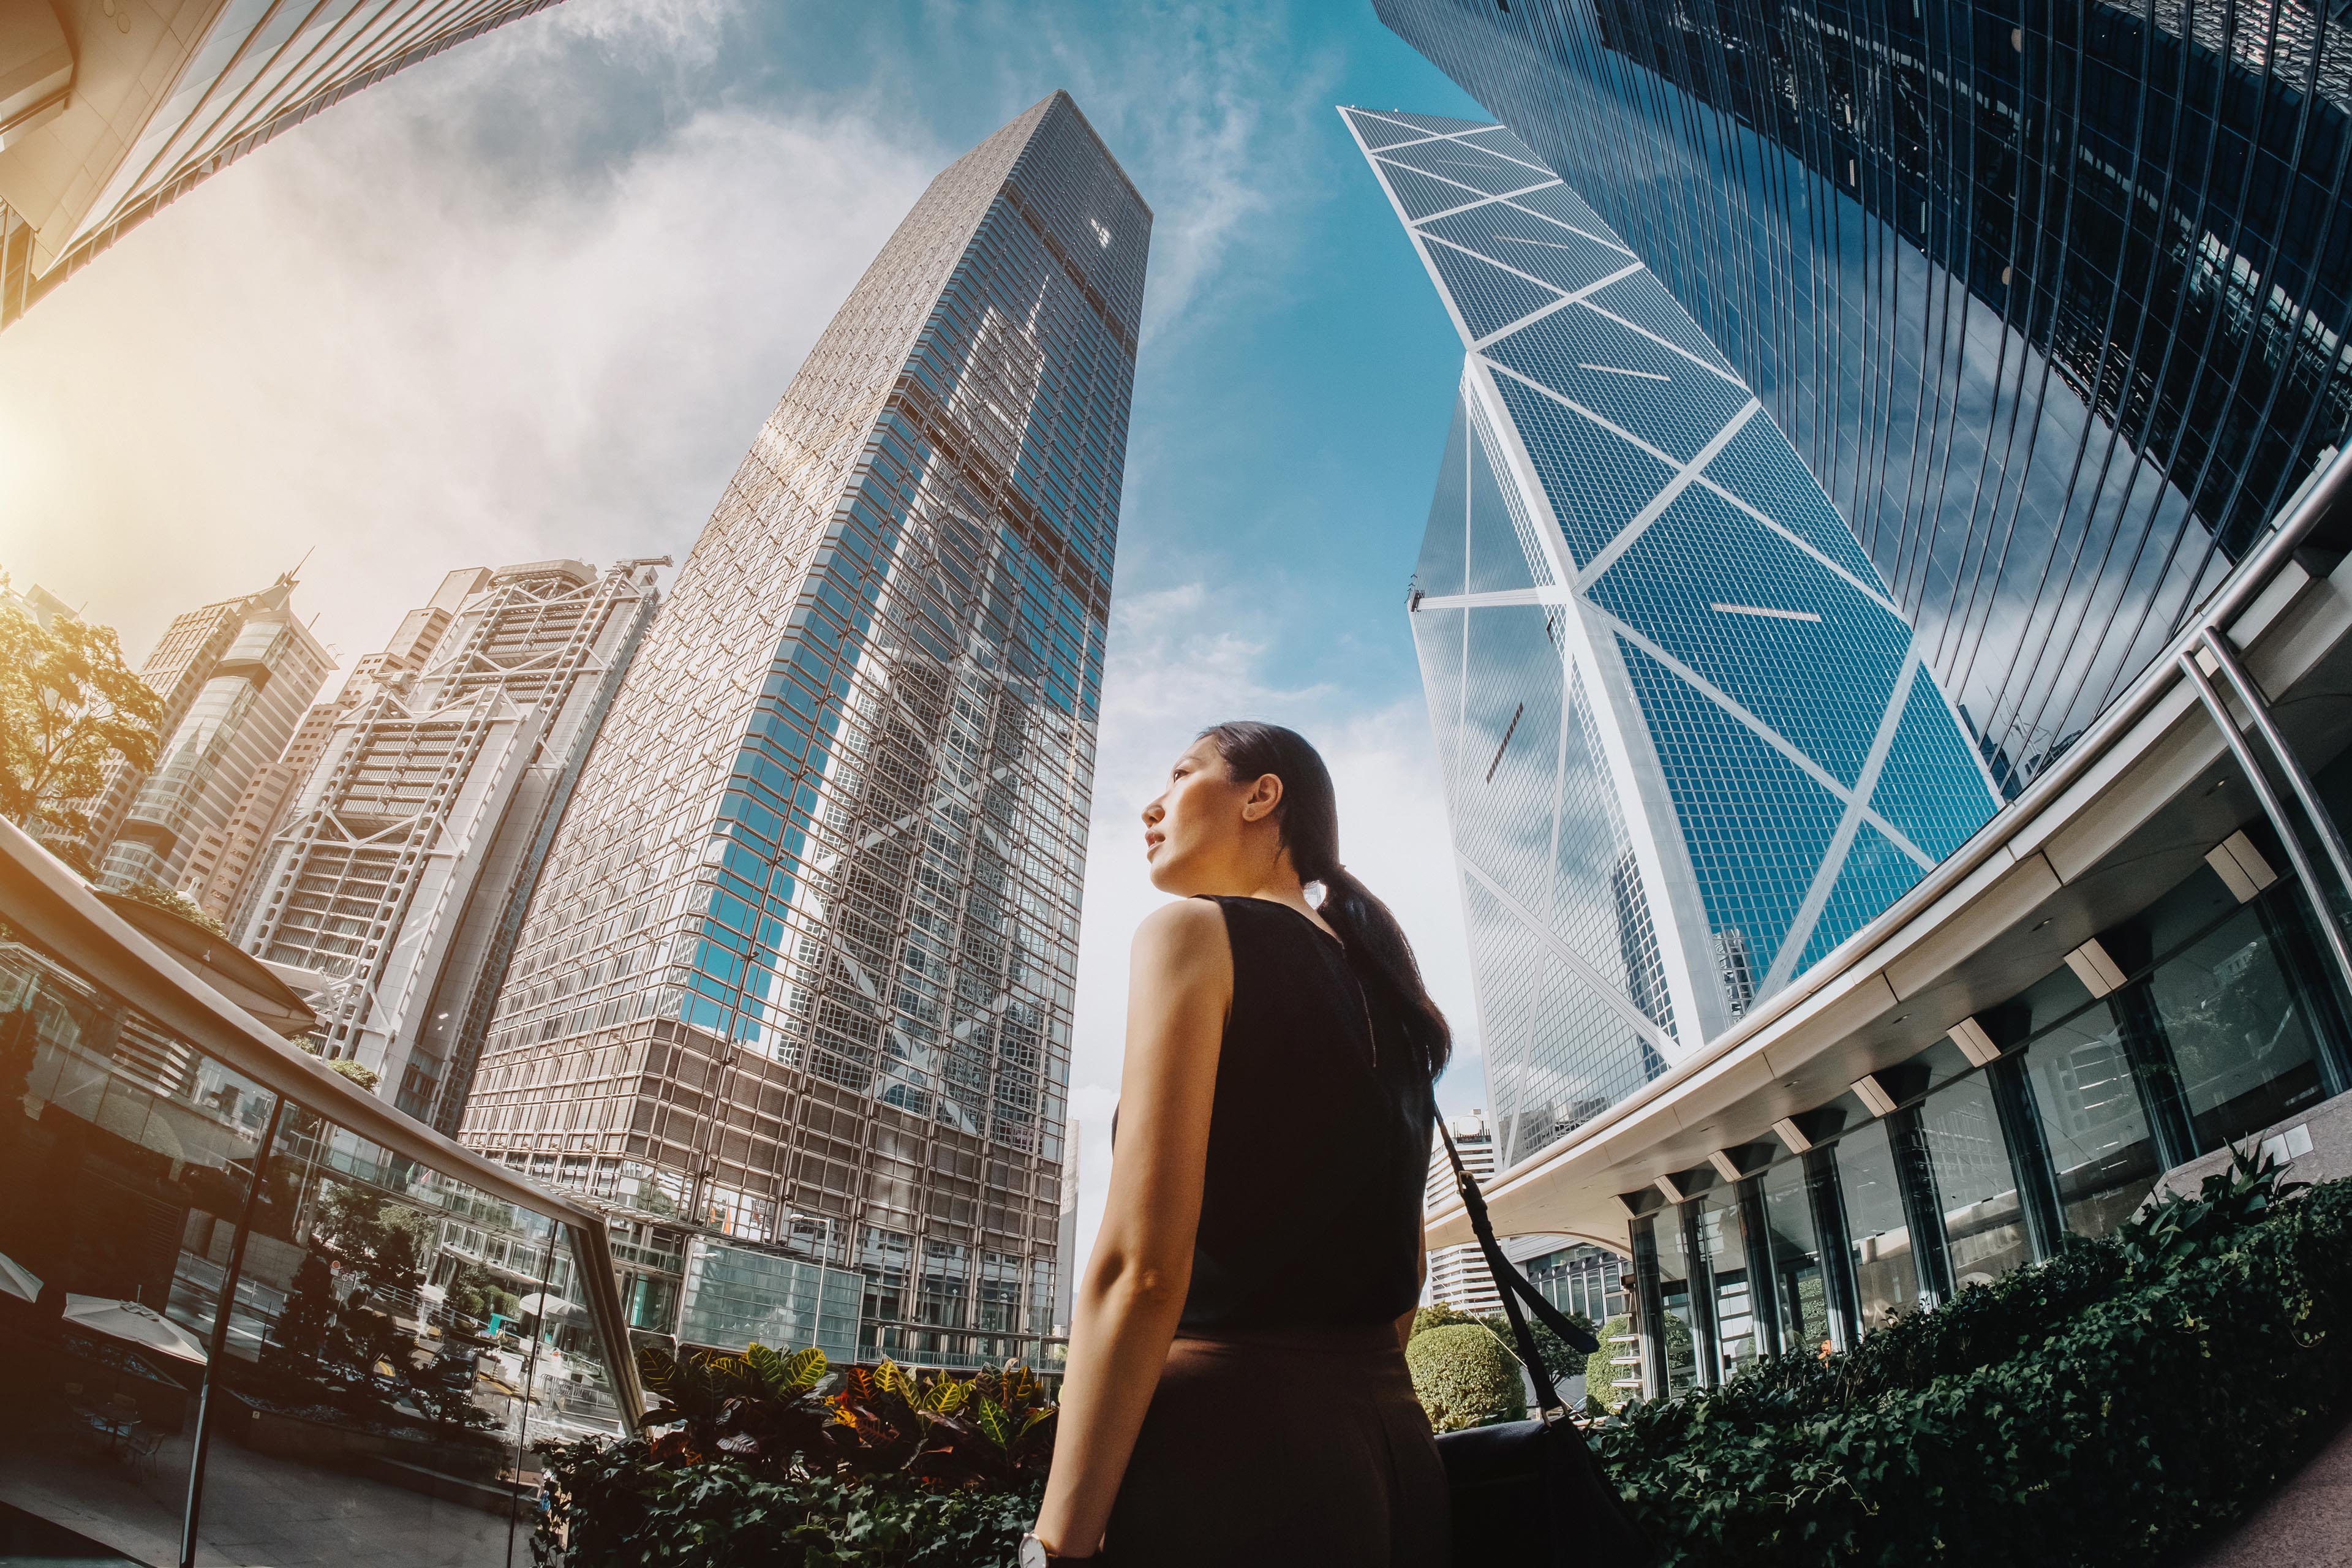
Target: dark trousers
1282, 1447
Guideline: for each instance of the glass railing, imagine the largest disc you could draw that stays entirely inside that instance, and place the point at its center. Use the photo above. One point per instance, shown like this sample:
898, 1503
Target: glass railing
249, 1313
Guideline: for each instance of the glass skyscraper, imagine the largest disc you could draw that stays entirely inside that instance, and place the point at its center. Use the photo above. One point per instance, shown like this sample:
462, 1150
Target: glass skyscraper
2051, 299
1688, 740
100, 129
800, 962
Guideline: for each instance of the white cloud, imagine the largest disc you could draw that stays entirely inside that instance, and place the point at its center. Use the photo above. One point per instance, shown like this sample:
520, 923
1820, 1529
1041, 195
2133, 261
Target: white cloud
1175, 667
1209, 135
437, 363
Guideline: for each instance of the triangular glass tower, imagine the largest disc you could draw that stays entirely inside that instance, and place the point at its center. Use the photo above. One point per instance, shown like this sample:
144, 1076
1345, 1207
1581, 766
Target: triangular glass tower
1687, 742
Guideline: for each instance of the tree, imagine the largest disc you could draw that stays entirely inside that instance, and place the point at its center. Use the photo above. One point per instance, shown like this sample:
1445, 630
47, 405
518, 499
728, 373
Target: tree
180, 904
67, 705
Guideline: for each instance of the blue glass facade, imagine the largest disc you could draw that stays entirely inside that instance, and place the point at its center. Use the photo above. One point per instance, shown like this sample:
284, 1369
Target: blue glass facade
802, 962
1689, 743
2050, 298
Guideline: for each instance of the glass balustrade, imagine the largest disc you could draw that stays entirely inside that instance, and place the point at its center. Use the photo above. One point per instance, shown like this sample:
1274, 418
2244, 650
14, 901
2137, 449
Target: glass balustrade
368, 1343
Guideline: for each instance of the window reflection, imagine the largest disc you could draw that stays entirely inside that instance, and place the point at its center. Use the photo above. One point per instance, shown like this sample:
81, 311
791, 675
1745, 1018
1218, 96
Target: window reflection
2246, 1053
1796, 1258
1883, 1268
1675, 1295
124, 1159
394, 1340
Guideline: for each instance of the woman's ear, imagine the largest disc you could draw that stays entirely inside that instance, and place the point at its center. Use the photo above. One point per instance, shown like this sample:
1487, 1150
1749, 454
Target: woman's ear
1263, 799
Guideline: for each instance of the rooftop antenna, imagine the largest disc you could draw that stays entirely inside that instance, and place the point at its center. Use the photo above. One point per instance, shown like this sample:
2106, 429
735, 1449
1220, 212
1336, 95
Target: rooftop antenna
297, 574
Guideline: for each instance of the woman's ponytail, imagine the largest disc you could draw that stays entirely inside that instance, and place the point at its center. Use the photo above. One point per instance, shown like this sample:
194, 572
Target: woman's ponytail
1309, 820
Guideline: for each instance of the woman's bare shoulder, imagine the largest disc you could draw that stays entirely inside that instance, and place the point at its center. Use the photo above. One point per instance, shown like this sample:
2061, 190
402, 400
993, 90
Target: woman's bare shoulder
1186, 930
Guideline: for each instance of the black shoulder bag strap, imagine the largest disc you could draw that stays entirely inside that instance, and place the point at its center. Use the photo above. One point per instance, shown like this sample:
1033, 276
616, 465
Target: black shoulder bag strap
1515, 1288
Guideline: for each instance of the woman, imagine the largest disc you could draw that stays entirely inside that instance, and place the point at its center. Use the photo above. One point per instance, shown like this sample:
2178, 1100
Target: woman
1236, 1392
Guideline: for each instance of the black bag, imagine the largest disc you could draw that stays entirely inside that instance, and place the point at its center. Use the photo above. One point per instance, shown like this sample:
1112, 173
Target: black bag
1527, 1492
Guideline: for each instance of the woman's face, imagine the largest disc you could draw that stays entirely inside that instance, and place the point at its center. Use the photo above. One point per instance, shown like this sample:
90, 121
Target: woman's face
1197, 834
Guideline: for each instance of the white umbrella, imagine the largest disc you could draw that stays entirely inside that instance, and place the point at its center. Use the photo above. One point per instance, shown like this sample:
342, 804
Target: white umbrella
539, 1305
17, 1280
133, 1325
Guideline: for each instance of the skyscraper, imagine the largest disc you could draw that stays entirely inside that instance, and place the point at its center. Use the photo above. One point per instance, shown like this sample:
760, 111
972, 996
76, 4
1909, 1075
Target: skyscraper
802, 961
234, 677
1689, 743
2052, 302
109, 109
408, 843
1458, 1275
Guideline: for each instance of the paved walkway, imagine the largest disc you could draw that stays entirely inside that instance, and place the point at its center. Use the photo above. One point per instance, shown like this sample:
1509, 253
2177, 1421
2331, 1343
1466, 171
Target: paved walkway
2307, 1522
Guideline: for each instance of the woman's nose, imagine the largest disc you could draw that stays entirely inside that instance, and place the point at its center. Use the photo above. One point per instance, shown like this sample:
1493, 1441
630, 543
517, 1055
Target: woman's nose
1152, 814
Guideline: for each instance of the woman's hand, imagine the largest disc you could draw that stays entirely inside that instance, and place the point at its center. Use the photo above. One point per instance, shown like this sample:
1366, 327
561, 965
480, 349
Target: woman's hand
1180, 988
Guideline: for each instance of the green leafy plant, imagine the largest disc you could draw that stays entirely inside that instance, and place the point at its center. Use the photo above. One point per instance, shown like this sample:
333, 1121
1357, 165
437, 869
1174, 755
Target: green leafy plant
2177, 1228
607, 1505
1601, 1368
1559, 1360
2103, 1408
180, 904
1463, 1376
68, 705
773, 1412
993, 1429
759, 1407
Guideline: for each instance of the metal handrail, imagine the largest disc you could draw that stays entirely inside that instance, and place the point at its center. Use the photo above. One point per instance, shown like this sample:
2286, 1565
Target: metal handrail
2323, 494
58, 908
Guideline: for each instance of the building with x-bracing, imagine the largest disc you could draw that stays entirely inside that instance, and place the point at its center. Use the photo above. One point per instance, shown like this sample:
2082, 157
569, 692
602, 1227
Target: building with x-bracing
800, 967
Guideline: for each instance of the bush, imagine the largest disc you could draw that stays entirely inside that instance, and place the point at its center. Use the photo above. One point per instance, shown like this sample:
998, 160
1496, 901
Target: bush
1464, 1377
2103, 1408
768, 1458
1559, 1360
1601, 1366
180, 904
612, 1506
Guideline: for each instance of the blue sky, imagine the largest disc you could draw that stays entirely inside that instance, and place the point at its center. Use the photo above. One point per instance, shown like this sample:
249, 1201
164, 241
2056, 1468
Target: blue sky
534, 297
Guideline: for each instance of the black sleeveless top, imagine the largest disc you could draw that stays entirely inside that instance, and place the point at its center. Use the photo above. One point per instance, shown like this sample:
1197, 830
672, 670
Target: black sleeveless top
1318, 1140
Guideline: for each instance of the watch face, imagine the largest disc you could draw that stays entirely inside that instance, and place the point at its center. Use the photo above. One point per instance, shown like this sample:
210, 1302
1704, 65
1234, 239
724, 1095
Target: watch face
1033, 1553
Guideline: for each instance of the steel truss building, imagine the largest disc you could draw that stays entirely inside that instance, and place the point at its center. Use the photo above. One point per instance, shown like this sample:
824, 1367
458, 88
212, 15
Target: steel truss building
2051, 299
1689, 743
802, 961
407, 851
236, 679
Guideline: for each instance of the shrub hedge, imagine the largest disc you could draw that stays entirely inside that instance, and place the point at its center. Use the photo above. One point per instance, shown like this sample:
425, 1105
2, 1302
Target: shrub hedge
1463, 1376
2103, 1408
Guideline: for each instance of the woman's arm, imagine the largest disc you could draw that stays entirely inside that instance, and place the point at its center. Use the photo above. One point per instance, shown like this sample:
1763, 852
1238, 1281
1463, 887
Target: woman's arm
1180, 987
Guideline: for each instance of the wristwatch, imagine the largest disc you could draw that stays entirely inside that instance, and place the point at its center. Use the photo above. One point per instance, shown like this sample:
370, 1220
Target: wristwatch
1035, 1555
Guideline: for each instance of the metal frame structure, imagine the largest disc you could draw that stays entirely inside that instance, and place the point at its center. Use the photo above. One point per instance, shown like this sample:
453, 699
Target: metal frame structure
39, 893
1849, 1000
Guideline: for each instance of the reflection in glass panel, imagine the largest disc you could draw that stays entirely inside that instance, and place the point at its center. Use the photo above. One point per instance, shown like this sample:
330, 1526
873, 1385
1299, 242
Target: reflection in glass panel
1984, 1227
2091, 1113
1796, 1258
1725, 1244
2245, 1050
1582, 1280
125, 1155
1674, 1290
576, 1384
384, 1381
1888, 1280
